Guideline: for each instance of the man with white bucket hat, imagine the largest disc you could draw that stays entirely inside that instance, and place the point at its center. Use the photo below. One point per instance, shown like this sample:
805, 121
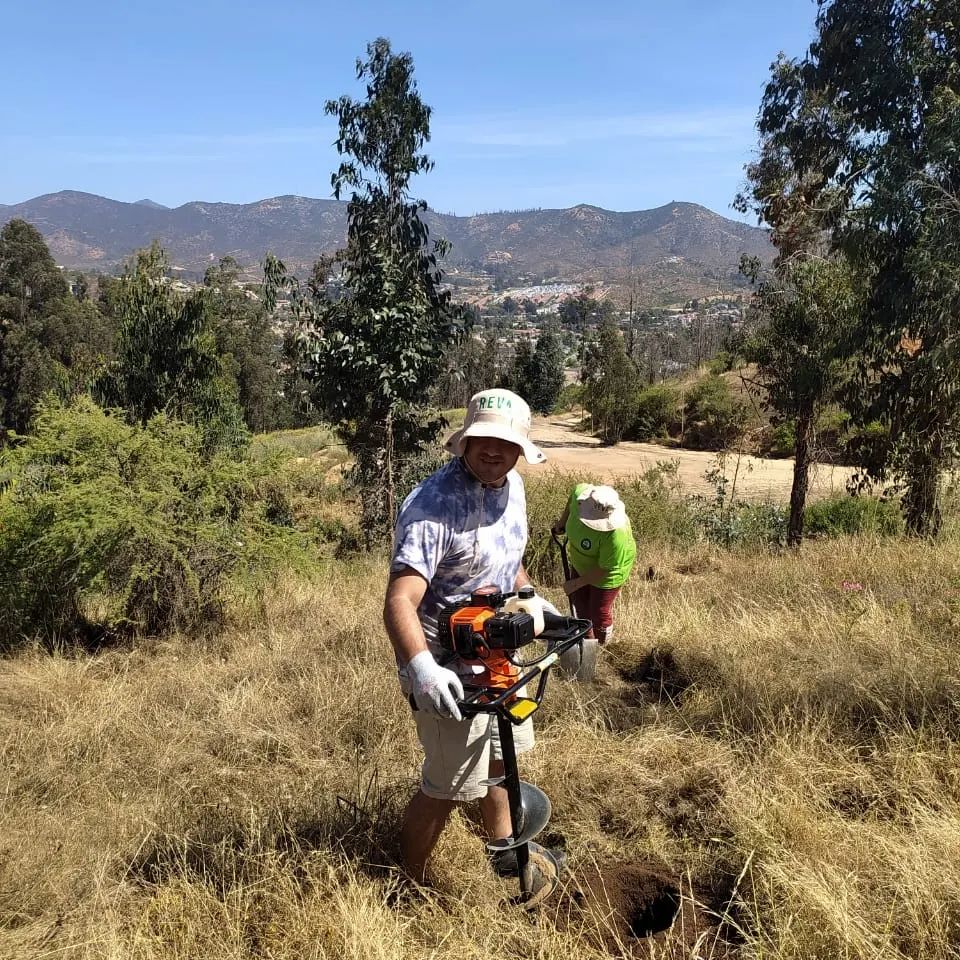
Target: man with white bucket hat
463, 528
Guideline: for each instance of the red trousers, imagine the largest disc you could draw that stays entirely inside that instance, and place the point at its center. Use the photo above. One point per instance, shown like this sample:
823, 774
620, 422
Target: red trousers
596, 605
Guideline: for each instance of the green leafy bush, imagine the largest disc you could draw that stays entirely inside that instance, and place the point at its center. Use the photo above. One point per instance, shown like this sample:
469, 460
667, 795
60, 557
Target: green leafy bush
108, 528
832, 433
656, 508
715, 417
741, 523
722, 362
867, 446
843, 514
658, 412
732, 523
782, 441
571, 398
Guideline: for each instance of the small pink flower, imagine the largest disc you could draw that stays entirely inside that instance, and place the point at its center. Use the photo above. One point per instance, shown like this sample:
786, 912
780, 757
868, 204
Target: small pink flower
851, 586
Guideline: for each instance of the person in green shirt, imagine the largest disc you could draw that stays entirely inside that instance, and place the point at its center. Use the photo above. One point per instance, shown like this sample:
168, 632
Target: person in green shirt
602, 552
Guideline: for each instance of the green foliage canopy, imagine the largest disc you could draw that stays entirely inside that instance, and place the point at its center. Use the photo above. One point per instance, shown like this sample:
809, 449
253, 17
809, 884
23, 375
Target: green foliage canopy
870, 120
546, 375
167, 358
249, 348
611, 384
49, 341
715, 417
374, 349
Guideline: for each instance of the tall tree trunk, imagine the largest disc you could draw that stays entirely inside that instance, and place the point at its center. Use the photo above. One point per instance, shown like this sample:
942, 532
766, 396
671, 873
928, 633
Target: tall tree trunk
801, 478
921, 502
391, 482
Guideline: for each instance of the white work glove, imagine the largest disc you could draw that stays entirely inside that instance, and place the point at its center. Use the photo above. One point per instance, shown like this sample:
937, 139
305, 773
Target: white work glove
435, 689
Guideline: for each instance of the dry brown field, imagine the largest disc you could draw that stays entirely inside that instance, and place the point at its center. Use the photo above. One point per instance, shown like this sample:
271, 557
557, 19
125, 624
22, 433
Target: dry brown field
771, 748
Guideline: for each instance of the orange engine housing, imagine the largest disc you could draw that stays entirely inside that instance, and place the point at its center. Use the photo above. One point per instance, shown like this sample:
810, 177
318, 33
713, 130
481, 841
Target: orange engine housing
498, 671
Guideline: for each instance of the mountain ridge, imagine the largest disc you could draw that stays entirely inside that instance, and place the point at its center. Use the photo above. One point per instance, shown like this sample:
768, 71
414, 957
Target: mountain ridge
677, 248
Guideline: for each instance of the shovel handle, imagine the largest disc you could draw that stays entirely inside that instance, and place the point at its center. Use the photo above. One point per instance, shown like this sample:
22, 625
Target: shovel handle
562, 547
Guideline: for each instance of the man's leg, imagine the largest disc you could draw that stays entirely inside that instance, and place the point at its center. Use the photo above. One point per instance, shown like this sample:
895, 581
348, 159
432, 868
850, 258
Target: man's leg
603, 606
455, 760
495, 806
423, 823
581, 600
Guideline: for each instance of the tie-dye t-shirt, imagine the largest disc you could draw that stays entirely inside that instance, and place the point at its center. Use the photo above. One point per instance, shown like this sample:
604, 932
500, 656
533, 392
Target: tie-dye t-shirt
460, 535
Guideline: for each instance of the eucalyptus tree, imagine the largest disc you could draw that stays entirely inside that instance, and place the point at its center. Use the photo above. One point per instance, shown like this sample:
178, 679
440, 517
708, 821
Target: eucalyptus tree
801, 349
805, 308
166, 355
871, 118
374, 348
49, 340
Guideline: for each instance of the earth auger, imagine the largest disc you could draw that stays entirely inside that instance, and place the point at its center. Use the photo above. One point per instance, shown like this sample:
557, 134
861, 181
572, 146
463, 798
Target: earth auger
480, 632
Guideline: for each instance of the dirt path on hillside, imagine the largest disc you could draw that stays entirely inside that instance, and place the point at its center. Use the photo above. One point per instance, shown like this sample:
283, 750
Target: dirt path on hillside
569, 450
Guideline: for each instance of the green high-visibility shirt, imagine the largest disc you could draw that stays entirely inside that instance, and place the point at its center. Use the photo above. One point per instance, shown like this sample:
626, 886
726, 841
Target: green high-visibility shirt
613, 551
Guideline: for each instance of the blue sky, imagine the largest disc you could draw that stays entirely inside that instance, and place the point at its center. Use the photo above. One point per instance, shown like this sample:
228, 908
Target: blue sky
626, 105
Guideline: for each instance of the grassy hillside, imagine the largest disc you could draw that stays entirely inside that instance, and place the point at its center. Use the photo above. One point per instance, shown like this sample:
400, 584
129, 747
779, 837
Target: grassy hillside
772, 741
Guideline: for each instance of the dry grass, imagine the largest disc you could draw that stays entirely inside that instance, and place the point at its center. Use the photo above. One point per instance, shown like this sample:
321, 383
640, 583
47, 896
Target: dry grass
784, 745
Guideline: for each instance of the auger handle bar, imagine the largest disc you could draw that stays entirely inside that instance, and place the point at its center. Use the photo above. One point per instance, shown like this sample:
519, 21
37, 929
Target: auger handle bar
499, 701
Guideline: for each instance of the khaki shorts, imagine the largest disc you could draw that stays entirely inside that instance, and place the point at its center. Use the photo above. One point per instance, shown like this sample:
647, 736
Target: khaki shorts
457, 753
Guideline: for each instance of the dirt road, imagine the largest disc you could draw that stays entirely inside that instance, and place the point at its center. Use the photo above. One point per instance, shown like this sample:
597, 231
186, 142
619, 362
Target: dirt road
757, 479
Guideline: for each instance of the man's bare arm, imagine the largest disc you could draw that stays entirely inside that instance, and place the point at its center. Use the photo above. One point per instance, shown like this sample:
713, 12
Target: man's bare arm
592, 578
522, 578
404, 593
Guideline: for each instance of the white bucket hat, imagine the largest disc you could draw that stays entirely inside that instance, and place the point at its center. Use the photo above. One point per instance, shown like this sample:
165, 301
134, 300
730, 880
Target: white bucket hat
500, 414
601, 508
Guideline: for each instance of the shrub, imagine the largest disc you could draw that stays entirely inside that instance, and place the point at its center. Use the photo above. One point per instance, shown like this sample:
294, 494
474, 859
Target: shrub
571, 398
783, 440
833, 426
658, 412
843, 514
722, 362
657, 511
745, 524
865, 446
732, 523
715, 417
108, 528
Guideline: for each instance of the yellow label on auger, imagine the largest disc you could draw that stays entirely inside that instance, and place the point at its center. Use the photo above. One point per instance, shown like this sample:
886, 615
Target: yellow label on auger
522, 708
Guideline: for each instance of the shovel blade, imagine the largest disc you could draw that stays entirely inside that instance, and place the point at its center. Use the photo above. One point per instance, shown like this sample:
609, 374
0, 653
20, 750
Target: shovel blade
580, 661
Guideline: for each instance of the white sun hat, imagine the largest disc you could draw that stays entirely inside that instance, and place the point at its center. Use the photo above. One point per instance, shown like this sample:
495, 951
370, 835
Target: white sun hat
601, 508
500, 414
